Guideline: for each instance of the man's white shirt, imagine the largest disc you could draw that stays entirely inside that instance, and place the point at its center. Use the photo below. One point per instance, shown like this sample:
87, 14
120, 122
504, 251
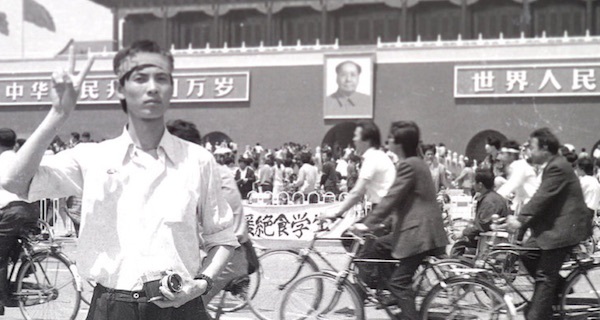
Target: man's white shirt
139, 214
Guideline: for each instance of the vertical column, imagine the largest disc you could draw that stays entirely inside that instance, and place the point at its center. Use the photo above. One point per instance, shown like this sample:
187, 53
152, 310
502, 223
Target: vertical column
526, 18
269, 31
463, 19
116, 30
404, 21
120, 30
214, 37
589, 16
323, 37
165, 23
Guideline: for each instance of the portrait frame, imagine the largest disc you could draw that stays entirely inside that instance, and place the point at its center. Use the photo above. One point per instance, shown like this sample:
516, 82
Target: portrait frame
336, 102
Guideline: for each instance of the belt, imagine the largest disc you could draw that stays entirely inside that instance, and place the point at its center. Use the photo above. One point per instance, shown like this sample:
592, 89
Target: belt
123, 295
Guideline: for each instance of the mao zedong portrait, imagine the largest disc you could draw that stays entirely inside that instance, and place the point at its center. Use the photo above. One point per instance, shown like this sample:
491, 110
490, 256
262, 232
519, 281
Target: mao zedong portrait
346, 101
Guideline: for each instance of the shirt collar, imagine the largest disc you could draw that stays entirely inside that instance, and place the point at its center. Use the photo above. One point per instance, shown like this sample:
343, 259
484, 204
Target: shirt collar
168, 145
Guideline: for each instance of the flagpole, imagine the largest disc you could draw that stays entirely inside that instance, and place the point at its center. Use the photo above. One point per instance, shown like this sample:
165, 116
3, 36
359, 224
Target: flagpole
22, 29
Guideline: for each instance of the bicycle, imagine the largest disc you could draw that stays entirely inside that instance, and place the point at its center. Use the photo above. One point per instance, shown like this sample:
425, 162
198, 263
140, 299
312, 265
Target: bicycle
579, 296
46, 282
338, 294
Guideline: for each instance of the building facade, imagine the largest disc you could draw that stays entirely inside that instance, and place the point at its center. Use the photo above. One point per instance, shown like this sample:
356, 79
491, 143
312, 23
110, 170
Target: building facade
459, 91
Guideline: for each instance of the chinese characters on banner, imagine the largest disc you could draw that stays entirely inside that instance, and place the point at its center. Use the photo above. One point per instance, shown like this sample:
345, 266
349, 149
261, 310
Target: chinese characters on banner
101, 88
293, 222
531, 80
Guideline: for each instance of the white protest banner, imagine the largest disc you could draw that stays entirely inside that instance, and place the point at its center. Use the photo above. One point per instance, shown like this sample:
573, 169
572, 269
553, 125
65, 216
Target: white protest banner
294, 222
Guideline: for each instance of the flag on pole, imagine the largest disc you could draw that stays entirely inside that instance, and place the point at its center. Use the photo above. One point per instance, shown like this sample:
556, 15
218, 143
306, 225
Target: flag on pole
3, 24
38, 15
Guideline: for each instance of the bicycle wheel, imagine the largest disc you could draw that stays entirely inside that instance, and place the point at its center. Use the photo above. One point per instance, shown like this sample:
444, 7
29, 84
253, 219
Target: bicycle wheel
231, 302
278, 269
459, 298
581, 295
321, 296
510, 276
47, 287
430, 274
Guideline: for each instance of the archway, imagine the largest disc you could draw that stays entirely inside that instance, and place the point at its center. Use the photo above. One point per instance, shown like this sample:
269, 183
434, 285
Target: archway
476, 146
596, 146
340, 136
215, 138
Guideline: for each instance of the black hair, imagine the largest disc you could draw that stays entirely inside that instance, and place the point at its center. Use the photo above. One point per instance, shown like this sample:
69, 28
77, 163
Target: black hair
354, 158
184, 130
427, 147
370, 132
8, 138
571, 158
86, 134
586, 164
247, 161
486, 177
495, 142
137, 46
468, 162
306, 157
511, 144
338, 68
407, 134
546, 140
75, 135
328, 152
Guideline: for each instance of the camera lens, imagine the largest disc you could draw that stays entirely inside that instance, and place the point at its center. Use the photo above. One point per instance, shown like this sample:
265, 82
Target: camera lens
174, 282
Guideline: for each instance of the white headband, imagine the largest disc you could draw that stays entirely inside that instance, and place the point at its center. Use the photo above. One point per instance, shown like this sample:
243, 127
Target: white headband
510, 150
144, 59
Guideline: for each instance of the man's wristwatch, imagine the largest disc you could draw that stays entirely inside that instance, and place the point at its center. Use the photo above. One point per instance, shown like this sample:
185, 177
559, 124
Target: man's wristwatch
209, 282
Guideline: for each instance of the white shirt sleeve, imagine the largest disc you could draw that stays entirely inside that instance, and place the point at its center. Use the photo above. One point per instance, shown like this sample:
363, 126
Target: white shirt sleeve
215, 215
58, 176
367, 170
516, 179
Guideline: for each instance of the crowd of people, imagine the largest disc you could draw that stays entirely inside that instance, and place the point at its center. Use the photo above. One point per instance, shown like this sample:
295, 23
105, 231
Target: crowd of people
156, 200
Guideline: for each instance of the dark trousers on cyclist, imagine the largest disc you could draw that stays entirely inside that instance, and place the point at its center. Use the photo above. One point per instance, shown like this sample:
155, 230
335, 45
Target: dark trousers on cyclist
109, 304
544, 266
14, 218
399, 279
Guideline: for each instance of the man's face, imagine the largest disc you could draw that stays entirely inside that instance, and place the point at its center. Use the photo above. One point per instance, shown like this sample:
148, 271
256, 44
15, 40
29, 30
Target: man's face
429, 155
479, 187
392, 146
506, 157
361, 146
538, 155
489, 149
347, 78
148, 93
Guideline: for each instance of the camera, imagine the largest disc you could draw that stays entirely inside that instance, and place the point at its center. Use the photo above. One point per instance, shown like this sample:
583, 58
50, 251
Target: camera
153, 281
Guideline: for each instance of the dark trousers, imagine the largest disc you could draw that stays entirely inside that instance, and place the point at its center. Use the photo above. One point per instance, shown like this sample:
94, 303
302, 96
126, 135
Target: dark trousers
14, 218
398, 278
544, 266
108, 304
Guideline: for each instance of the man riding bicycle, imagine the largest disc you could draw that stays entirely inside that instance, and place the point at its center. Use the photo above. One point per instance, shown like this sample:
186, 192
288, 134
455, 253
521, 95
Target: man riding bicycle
419, 229
15, 214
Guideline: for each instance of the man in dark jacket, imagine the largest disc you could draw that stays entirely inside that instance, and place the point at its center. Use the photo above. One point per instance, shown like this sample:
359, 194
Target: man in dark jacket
558, 218
245, 177
489, 203
419, 229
